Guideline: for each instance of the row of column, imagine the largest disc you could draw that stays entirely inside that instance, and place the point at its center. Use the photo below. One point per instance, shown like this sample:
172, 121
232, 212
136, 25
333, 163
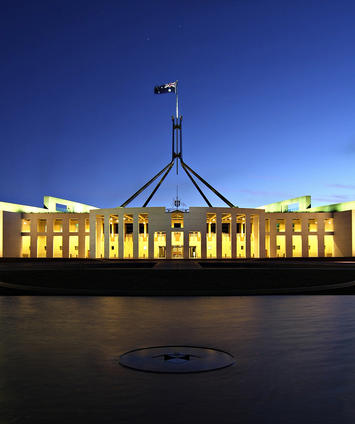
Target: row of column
289, 233
50, 233
161, 222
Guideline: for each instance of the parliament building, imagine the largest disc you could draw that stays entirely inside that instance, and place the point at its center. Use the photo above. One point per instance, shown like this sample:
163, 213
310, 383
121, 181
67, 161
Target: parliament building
286, 229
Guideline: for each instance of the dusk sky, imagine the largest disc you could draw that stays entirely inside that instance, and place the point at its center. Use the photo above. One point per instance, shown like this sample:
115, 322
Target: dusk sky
266, 89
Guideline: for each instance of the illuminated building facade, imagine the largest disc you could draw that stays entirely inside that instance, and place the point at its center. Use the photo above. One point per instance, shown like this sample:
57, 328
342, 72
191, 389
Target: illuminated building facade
65, 229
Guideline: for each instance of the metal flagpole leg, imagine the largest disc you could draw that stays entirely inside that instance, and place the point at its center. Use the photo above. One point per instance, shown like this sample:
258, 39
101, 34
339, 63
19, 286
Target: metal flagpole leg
209, 186
177, 123
146, 185
180, 150
196, 185
173, 140
177, 145
158, 185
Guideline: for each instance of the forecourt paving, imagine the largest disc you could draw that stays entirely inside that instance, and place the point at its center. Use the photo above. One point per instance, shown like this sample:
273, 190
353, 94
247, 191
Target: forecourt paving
100, 277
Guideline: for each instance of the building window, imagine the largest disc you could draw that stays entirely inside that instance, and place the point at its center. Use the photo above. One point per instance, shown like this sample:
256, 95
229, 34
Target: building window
226, 235
41, 246
329, 224
42, 226
211, 238
159, 245
296, 225
280, 226
177, 220
240, 228
58, 225
194, 245
113, 227
313, 246
57, 246
143, 236
129, 228
312, 225
60, 207
128, 237
225, 227
26, 225
296, 246
280, 246
73, 225
26, 247
73, 246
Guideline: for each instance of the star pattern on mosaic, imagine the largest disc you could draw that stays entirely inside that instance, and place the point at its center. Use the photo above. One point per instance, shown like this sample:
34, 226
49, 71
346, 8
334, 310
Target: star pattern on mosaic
176, 357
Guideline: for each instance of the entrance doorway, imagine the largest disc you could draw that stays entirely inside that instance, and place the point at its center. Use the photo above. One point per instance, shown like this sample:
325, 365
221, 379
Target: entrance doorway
177, 245
192, 252
177, 252
162, 252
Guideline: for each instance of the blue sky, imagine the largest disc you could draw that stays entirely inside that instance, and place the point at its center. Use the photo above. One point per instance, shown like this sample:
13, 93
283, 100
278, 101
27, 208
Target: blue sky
267, 93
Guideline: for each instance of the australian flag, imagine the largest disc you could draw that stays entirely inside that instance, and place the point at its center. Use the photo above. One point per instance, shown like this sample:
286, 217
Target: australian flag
165, 88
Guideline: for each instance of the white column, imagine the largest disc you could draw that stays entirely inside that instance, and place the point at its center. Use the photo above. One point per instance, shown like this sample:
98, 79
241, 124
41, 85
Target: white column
288, 235
106, 252
92, 235
120, 234
247, 235
135, 235
219, 234
320, 233
304, 228
262, 235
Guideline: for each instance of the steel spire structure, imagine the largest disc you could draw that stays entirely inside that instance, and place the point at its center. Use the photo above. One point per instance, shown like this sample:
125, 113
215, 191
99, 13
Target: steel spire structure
176, 156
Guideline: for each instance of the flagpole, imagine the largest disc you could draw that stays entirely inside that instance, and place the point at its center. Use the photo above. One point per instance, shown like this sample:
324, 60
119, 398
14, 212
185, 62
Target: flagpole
177, 100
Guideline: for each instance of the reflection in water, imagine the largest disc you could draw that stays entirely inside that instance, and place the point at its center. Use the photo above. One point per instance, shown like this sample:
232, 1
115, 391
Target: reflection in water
58, 359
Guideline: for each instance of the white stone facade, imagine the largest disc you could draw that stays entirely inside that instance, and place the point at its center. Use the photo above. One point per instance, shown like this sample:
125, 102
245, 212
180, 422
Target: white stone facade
154, 233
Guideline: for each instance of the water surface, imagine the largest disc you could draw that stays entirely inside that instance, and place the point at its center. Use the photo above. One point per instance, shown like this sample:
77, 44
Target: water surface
295, 359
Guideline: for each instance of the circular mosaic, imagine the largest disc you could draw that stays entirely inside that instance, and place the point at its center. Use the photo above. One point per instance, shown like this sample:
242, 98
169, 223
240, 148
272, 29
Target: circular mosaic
176, 359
